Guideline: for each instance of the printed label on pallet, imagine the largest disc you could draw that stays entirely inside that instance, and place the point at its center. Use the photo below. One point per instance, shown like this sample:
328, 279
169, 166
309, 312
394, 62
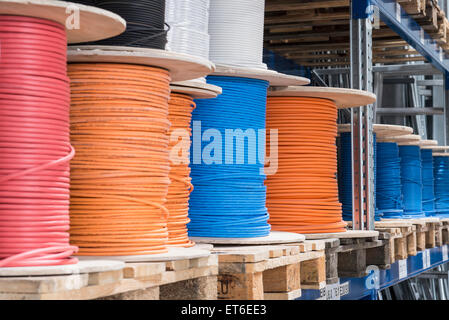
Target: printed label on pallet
334, 291
445, 252
402, 268
426, 259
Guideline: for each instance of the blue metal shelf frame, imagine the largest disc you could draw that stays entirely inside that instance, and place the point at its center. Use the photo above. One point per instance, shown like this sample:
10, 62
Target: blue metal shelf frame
358, 289
408, 29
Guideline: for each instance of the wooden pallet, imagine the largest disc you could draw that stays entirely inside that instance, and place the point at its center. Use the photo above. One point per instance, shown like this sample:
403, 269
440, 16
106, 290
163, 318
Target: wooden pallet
183, 279
269, 272
347, 253
403, 238
445, 231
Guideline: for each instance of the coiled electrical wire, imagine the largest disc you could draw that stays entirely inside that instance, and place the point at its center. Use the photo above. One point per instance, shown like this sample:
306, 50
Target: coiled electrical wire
229, 196
388, 186
345, 175
236, 32
441, 172
35, 148
180, 115
120, 174
411, 180
428, 192
188, 21
302, 196
145, 22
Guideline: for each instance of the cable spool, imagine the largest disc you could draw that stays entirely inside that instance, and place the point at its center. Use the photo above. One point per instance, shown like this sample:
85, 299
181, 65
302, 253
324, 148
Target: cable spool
389, 195
381, 132
236, 33
145, 22
345, 175
441, 173
411, 180
428, 192
229, 197
302, 195
119, 127
188, 21
34, 142
180, 115
181, 105
34, 132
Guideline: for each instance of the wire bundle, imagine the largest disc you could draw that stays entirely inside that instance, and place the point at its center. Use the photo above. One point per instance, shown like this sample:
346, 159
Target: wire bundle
119, 127
236, 32
180, 115
35, 148
441, 172
428, 192
145, 22
345, 175
388, 185
229, 197
411, 180
302, 196
188, 21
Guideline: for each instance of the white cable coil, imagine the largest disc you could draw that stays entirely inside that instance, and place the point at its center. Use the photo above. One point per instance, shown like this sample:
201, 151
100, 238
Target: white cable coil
236, 33
188, 21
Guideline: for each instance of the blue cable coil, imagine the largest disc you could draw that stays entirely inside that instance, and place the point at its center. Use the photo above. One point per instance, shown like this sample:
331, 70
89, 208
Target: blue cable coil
228, 200
441, 176
388, 188
428, 193
345, 175
411, 180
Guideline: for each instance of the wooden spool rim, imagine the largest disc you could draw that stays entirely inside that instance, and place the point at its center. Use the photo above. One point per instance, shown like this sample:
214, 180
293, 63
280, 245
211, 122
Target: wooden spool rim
436, 148
343, 98
196, 89
273, 77
181, 66
381, 130
94, 23
401, 139
427, 143
441, 154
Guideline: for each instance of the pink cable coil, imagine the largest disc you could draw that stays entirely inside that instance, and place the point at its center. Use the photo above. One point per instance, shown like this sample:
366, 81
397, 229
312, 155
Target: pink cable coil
35, 148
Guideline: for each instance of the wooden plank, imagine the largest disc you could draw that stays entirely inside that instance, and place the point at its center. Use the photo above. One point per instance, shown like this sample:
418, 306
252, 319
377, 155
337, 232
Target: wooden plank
247, 286
282, 279
293, 295
287, 5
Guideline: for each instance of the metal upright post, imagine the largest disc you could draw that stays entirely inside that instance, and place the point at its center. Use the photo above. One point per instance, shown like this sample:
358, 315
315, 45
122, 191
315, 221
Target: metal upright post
362, 118
446, 108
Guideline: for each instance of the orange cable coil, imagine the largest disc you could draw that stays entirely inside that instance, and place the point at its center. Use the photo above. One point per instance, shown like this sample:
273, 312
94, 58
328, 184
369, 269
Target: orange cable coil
180, 115
302, 196
120, 173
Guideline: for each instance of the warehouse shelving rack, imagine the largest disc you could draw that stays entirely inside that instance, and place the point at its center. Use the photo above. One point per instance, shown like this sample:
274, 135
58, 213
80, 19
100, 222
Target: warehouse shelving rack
361, 71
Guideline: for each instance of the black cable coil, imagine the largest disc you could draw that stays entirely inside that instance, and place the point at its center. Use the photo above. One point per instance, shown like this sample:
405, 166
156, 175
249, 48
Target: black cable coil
145, 21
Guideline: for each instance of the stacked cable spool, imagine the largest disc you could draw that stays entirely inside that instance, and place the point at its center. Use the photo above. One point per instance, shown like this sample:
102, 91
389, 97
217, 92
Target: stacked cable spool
302, 195
345, 171
428, 182
386, 171
228, 200
441, 178
145, 21
120, 126
181, 105
189, 22
34, 129
236, 33
404, 199
411, 178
